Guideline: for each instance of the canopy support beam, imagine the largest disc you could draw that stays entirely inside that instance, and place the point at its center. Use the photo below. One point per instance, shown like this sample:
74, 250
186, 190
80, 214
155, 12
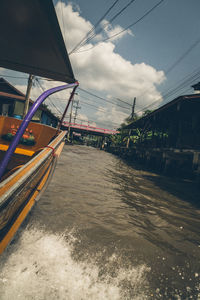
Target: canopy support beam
66, 109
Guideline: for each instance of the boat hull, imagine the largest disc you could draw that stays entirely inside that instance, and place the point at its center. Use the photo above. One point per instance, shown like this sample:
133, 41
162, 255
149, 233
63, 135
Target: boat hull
19, 192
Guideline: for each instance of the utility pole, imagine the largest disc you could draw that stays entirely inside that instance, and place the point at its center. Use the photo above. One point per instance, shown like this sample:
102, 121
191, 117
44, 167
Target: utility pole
70, 117
76, 110
132, 115
28, 91
133, 108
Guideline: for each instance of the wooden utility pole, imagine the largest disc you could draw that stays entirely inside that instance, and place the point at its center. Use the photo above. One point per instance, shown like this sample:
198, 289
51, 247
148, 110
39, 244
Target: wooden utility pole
132, 115
28, 91
133, 108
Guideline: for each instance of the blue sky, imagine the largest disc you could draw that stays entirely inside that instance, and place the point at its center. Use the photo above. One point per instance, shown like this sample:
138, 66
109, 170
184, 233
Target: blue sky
134, 64
158, 39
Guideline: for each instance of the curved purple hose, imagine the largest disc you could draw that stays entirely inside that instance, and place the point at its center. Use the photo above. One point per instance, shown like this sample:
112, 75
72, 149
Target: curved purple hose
26, 121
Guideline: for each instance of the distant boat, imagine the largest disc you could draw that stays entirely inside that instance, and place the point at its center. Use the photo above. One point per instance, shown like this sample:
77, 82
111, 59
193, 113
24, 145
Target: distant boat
31, 42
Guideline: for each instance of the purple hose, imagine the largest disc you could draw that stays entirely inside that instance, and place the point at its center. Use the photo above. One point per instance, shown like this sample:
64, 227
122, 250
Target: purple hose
26, 121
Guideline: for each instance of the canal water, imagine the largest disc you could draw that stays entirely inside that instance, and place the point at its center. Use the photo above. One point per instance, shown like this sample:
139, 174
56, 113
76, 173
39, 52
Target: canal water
106, 230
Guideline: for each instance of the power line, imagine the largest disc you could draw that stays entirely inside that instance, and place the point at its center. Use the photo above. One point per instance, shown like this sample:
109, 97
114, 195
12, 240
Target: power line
128, 27
103, 99
93, 28
108, 101
90, 120
93, 106
171, 68
99, 122
189, 79
109, 22
183, 56
124, 102
40, 85
89, 103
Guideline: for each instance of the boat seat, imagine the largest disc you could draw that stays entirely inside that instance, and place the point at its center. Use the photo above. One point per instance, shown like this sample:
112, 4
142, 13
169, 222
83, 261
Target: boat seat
18, 150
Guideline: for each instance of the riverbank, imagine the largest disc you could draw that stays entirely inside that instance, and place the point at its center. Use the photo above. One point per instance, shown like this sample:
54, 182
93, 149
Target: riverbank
183, 163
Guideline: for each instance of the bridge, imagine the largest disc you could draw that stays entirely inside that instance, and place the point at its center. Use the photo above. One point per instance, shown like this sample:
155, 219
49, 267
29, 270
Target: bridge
87, 129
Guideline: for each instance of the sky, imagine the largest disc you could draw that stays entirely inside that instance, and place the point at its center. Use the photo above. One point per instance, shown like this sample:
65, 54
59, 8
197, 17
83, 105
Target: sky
155, 60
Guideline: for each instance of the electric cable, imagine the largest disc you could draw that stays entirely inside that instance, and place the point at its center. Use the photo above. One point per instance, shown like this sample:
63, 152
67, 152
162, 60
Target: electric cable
40, 85
93, 28
103, 99
115, 104
171, 92
128, 27
104, 26
173, 66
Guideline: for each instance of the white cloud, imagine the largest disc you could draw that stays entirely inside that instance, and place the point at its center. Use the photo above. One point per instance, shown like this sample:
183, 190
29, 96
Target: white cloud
112, 31
103, 70
83, 119
73, 26
110, 116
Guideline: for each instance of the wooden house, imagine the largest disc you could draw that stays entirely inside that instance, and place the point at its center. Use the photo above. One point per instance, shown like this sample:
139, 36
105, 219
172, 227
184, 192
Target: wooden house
12, 104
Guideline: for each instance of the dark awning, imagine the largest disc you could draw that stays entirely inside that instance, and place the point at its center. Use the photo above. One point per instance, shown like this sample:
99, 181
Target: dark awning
31, 40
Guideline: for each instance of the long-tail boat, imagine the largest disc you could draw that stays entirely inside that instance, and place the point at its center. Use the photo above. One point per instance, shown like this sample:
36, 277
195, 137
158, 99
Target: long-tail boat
31, 42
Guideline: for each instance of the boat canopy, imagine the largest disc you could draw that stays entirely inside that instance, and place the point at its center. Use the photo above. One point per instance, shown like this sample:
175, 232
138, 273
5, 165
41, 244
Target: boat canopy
31, 40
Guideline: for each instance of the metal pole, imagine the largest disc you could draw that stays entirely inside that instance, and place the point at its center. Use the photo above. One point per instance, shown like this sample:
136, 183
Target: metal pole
28, 91
25, 123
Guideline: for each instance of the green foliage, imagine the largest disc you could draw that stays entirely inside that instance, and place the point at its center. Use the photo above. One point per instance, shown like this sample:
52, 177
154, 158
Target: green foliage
116, 140
138, 135
146, 112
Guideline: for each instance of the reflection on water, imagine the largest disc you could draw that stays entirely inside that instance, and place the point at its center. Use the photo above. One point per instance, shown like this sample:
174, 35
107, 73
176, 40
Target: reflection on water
106, 230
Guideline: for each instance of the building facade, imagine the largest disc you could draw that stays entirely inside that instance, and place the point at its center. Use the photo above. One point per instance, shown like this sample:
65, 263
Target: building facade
12, 104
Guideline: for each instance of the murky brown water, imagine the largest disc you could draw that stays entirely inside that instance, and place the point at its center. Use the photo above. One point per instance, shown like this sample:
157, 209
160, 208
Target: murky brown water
106, 230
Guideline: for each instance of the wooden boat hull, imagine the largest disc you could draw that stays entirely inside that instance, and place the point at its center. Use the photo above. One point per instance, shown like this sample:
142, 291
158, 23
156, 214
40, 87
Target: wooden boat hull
19, 191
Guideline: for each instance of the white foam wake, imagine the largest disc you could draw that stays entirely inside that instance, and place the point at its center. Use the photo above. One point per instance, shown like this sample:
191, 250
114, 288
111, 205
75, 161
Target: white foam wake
42, 267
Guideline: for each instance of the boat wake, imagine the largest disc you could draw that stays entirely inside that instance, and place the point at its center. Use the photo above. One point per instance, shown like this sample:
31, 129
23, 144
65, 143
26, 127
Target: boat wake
41, 265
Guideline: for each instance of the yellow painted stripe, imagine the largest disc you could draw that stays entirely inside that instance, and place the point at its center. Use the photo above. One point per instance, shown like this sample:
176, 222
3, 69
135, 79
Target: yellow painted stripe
59, 150
44, 179
18, 150
6, 240
16, 225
